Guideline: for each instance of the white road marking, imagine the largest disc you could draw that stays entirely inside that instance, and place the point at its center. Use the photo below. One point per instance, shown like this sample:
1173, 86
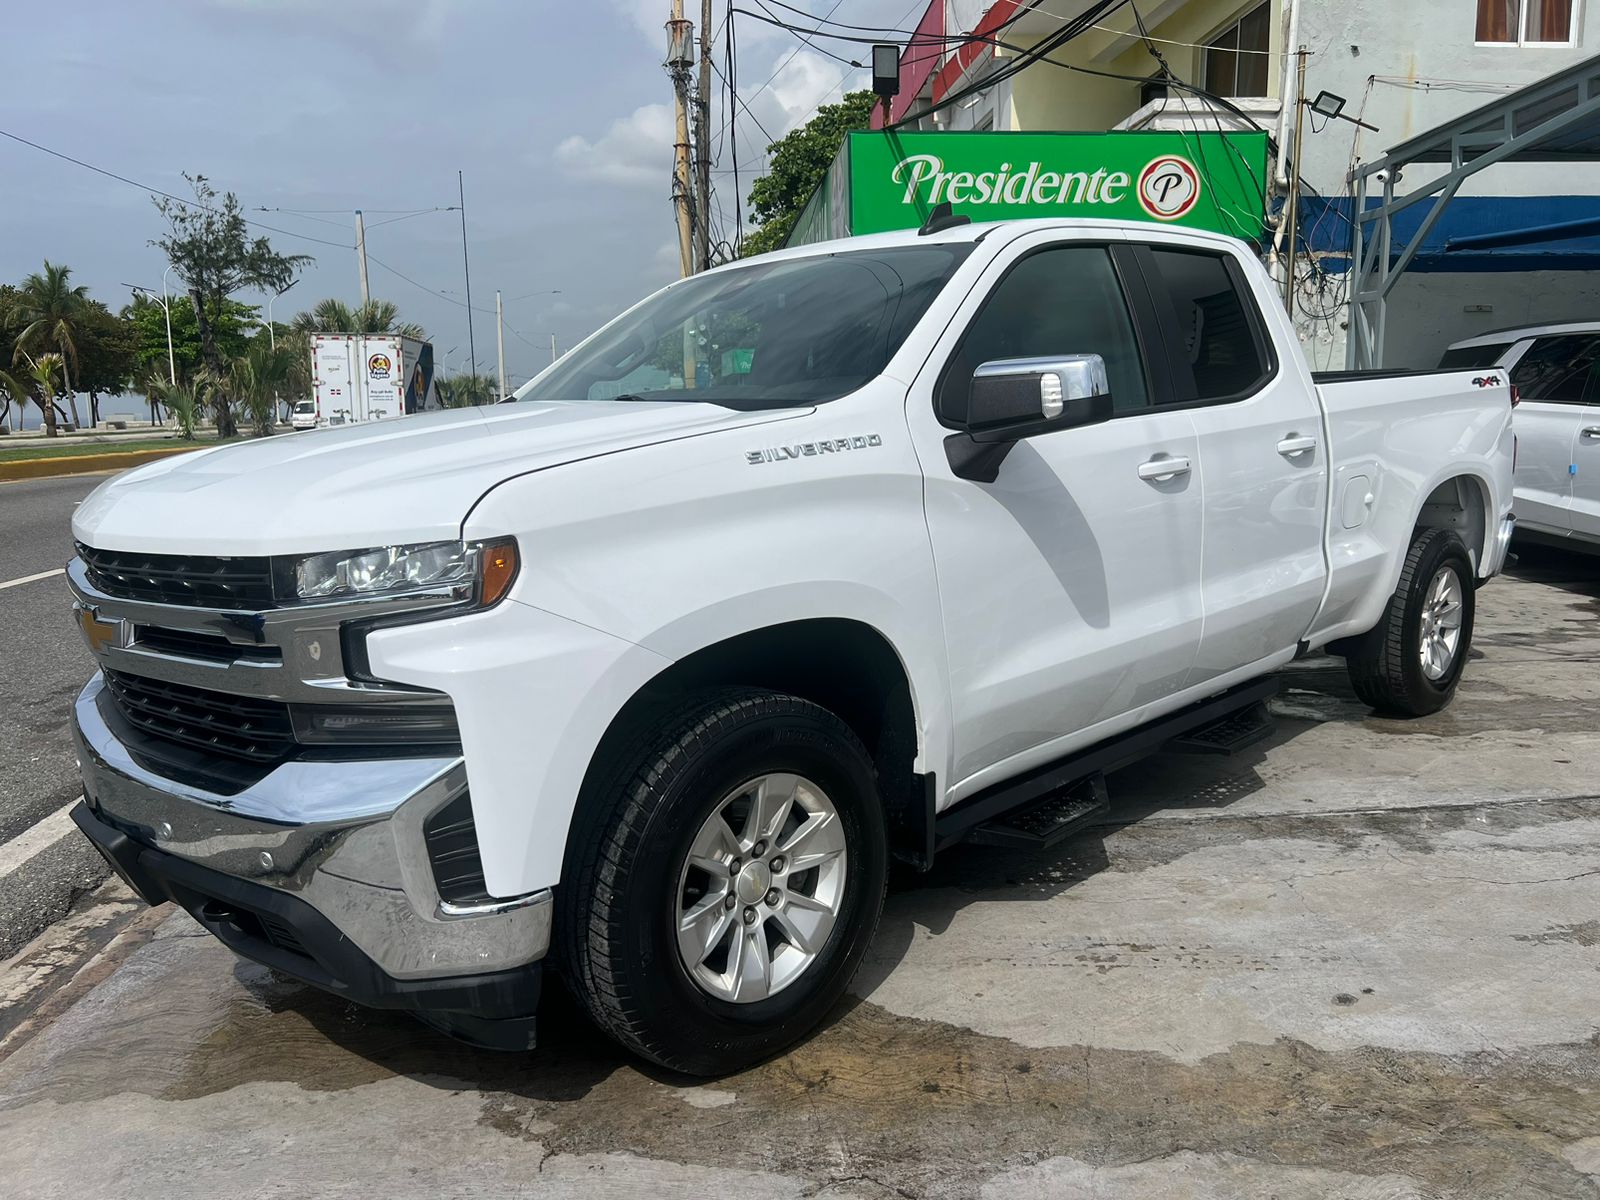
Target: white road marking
10, 583
36, 839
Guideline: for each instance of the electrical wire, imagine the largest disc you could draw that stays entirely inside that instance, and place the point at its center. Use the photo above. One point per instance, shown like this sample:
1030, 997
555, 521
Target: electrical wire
166, 195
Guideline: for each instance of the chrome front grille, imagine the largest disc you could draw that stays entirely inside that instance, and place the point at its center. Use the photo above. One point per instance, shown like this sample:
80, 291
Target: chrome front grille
241, 727
183, 579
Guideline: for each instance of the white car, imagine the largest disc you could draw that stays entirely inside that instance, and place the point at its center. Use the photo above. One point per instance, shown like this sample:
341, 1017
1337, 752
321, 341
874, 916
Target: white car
304, 415
839, 554
1556, 370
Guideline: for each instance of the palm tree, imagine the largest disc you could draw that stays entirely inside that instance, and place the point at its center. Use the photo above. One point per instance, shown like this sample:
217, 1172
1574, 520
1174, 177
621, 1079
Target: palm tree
184, 399
257, 377
50, 312
42, 375
375, 316
14, 390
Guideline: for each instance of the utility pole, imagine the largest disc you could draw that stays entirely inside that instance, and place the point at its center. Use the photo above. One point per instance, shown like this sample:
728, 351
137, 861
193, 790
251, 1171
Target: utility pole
552, 347
702, 147
500, 340
466, 269
1293, 220
361, 255
680, 57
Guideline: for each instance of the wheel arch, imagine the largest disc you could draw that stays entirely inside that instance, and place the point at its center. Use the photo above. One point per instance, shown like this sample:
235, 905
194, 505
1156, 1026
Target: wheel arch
1461, 503
842, 664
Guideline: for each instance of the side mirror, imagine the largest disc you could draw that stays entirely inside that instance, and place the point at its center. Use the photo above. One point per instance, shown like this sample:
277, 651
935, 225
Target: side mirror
1015, 398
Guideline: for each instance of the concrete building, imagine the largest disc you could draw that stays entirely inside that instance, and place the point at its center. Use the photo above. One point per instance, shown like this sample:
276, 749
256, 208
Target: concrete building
1403, 66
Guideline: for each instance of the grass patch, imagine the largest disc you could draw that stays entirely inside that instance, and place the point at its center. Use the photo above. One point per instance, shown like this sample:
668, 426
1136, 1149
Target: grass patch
71, 447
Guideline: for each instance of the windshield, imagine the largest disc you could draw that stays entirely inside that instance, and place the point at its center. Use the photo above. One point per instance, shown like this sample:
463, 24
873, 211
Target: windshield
796, 331
306, 406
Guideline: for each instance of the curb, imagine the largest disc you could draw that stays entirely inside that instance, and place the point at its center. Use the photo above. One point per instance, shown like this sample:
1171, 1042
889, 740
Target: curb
83, 464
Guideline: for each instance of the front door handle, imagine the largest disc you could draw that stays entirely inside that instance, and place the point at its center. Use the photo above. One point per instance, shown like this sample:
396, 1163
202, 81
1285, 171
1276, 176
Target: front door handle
1590, 431
1159, 470
1293, 445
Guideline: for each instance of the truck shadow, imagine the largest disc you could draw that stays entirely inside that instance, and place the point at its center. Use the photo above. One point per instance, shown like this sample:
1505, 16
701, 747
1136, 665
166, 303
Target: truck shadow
573, 1057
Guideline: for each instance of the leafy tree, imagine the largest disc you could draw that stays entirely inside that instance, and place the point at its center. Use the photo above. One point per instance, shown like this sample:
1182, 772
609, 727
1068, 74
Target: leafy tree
9, 394
48, 312
107, 346
215, 256
798, 162
375, 316
228, 321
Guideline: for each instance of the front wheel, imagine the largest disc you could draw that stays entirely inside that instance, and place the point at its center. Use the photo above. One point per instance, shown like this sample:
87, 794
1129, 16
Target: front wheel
1410, 663
725, 881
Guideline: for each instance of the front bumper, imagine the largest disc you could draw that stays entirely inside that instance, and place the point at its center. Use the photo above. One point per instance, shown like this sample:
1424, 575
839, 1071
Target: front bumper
318, 869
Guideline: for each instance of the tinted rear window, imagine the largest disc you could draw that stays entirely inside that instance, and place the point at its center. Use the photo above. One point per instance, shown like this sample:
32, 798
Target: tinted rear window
1471, 358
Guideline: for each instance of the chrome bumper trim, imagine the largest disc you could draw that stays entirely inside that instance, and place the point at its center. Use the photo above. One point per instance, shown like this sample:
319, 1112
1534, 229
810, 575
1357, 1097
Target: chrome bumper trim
345, 837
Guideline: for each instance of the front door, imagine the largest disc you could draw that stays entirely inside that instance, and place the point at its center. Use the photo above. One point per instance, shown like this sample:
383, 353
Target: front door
1263, 464
1555, 461
1069, 585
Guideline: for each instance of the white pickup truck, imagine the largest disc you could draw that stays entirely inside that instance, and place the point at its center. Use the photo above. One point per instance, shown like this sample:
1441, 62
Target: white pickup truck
839, 554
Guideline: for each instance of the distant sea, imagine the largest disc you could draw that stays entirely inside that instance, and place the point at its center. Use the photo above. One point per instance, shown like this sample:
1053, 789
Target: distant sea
111, 408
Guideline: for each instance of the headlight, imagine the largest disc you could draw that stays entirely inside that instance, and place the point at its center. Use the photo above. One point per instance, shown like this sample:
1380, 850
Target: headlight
488, 567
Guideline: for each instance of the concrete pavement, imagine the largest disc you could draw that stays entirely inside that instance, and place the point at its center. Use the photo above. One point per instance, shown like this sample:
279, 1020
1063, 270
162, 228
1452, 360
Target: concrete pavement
1357, 961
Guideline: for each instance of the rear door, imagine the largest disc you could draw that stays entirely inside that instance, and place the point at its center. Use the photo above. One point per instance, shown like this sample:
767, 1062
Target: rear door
1556, 377
1070, 586
1263, 467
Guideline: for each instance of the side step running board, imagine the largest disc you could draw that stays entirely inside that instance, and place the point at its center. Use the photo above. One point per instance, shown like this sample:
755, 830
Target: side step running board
1227, 736
1046, 797
1046, 823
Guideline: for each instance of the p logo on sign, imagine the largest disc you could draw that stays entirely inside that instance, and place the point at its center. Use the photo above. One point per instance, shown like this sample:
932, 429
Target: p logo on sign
1169, 187
378, 366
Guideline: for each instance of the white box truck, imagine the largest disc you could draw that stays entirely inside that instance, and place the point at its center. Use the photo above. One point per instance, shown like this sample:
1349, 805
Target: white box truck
366, 377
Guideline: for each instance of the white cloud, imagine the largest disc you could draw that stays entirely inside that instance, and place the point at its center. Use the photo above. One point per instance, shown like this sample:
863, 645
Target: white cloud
635, 150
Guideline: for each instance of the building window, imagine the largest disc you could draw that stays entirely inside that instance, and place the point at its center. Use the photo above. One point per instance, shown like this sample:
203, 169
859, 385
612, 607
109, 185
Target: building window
1236, 59
1527, 22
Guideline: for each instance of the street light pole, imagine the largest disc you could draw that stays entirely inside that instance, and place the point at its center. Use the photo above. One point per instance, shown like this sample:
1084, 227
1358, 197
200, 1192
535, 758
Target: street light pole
166, 308
500, 340
272, 338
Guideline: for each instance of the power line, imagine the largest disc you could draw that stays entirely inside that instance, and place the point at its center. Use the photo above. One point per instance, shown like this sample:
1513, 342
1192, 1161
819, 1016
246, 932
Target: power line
431, 291
165, 195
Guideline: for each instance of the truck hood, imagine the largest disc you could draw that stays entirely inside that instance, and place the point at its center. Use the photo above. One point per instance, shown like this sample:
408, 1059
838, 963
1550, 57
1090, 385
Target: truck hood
412, 479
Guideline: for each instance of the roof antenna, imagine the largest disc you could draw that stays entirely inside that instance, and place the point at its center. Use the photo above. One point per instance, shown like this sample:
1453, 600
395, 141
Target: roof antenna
941, 218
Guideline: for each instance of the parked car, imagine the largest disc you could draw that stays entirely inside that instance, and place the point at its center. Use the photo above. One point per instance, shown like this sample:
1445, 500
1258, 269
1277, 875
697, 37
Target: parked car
871, 547
304, 415
1556, 370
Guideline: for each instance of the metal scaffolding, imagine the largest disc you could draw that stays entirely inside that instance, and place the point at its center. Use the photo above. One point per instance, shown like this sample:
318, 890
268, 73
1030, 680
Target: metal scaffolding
1554, 120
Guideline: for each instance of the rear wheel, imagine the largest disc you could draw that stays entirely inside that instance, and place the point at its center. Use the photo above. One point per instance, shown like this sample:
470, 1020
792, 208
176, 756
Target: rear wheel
725, 880
1410, 663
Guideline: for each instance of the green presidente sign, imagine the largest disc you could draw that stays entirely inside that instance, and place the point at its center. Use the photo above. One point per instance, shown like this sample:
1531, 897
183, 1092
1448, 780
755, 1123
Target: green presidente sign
884, 181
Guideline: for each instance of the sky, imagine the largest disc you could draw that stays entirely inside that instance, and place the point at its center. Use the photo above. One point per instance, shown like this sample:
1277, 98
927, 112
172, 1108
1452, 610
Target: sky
559, 116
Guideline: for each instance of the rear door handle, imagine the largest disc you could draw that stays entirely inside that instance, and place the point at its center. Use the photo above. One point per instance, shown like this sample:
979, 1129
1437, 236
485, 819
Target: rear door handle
1292, 445
1159, 470
1590, 431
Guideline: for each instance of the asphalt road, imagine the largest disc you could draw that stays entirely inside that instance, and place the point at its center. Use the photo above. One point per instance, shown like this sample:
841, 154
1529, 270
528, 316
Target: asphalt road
43, 663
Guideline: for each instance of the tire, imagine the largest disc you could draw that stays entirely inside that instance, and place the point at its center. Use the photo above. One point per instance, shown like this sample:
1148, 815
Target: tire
632, 882
1386, 664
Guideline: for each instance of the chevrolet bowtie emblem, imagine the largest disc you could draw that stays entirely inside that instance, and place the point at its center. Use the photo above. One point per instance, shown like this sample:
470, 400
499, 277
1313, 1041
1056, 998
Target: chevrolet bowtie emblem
99, 634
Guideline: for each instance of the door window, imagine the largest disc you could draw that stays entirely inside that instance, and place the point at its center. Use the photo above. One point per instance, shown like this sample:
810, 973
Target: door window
1056, 302
1215, 331
1559, 370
